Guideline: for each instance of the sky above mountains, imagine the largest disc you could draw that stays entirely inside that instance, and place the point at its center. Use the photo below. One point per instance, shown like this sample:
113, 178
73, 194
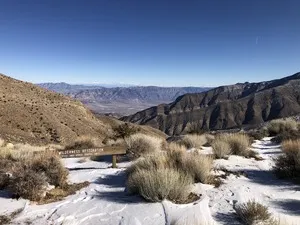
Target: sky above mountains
157, 42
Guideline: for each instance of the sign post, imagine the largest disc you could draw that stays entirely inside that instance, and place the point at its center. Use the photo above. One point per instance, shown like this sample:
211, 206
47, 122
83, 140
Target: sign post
106, 150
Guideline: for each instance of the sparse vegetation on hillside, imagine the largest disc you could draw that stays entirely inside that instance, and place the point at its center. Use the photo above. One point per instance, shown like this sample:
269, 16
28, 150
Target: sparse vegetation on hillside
140, 144
288, 164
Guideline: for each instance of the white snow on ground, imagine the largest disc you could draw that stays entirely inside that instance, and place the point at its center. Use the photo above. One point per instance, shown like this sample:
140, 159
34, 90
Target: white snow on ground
105, 201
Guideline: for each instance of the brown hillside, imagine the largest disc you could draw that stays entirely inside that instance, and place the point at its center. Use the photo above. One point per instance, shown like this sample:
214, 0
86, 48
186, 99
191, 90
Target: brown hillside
225, 107
31, 114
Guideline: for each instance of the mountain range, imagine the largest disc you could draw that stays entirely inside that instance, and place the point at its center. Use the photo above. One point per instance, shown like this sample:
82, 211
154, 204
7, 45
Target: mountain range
120, 100
225, 107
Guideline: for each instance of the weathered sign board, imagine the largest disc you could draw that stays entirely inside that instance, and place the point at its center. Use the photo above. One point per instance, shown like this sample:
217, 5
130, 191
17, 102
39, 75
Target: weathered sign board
107, 150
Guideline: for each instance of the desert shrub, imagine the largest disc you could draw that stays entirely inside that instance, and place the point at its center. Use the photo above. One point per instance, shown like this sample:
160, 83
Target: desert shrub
30, 172
288, 164
194, 140
158, 184
83, 143
49, 163
209, 139
199, 167
258, 134
286, 135
282, 125
111, 142
221, 148
253, 212
2, 142
173, 170
27, 183
141, 144
239, 144
124, 130
174, 146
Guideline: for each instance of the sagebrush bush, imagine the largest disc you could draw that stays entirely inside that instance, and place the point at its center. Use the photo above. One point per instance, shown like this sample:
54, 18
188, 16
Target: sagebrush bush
49, 163
258, 134
221, 148
27, 183
46, 167
84, 142
252, 212
282, 125
173, 146
239, 144
141, 144
183, 166
158, 184
199, 167
286, 135
124, 130
288, 164
194, 140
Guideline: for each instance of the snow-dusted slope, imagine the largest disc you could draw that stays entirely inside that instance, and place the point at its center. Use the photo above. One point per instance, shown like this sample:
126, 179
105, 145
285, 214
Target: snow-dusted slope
105, 202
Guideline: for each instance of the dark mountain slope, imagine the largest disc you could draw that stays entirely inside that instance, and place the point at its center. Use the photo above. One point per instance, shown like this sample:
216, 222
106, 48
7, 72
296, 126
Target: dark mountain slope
225, 107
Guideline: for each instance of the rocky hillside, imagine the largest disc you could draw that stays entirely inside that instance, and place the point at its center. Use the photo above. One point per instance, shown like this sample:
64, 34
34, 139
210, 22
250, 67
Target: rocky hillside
32, 114
233, 106
121, 100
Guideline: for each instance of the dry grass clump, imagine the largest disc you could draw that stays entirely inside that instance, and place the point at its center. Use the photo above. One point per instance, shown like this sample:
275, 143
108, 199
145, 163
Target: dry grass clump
162, 183
27, 183
200, 166
288, 164
278, 126
28, 174
141, 144
252, 213
49, 163
239, 144
176, 147
258, 134
84, 142
235, 144
194, 140
221, 148
168, 175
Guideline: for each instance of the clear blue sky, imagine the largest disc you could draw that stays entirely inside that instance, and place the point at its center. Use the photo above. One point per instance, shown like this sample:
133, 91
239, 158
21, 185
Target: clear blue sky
150, 42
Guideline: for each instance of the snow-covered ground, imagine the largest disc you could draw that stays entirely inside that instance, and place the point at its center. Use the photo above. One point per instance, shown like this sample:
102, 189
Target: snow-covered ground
105, 202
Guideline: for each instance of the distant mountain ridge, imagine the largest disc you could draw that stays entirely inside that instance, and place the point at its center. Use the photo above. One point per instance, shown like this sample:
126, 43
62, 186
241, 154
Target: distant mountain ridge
225, 107
128, 99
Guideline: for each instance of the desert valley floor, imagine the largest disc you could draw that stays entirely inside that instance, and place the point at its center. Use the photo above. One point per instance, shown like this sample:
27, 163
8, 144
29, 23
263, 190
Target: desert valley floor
105, 201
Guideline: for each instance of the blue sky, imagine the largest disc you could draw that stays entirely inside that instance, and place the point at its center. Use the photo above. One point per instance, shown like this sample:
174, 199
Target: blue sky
157, 42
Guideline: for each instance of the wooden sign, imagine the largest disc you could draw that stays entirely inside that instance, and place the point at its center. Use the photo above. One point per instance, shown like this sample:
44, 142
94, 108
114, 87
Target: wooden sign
107, 150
